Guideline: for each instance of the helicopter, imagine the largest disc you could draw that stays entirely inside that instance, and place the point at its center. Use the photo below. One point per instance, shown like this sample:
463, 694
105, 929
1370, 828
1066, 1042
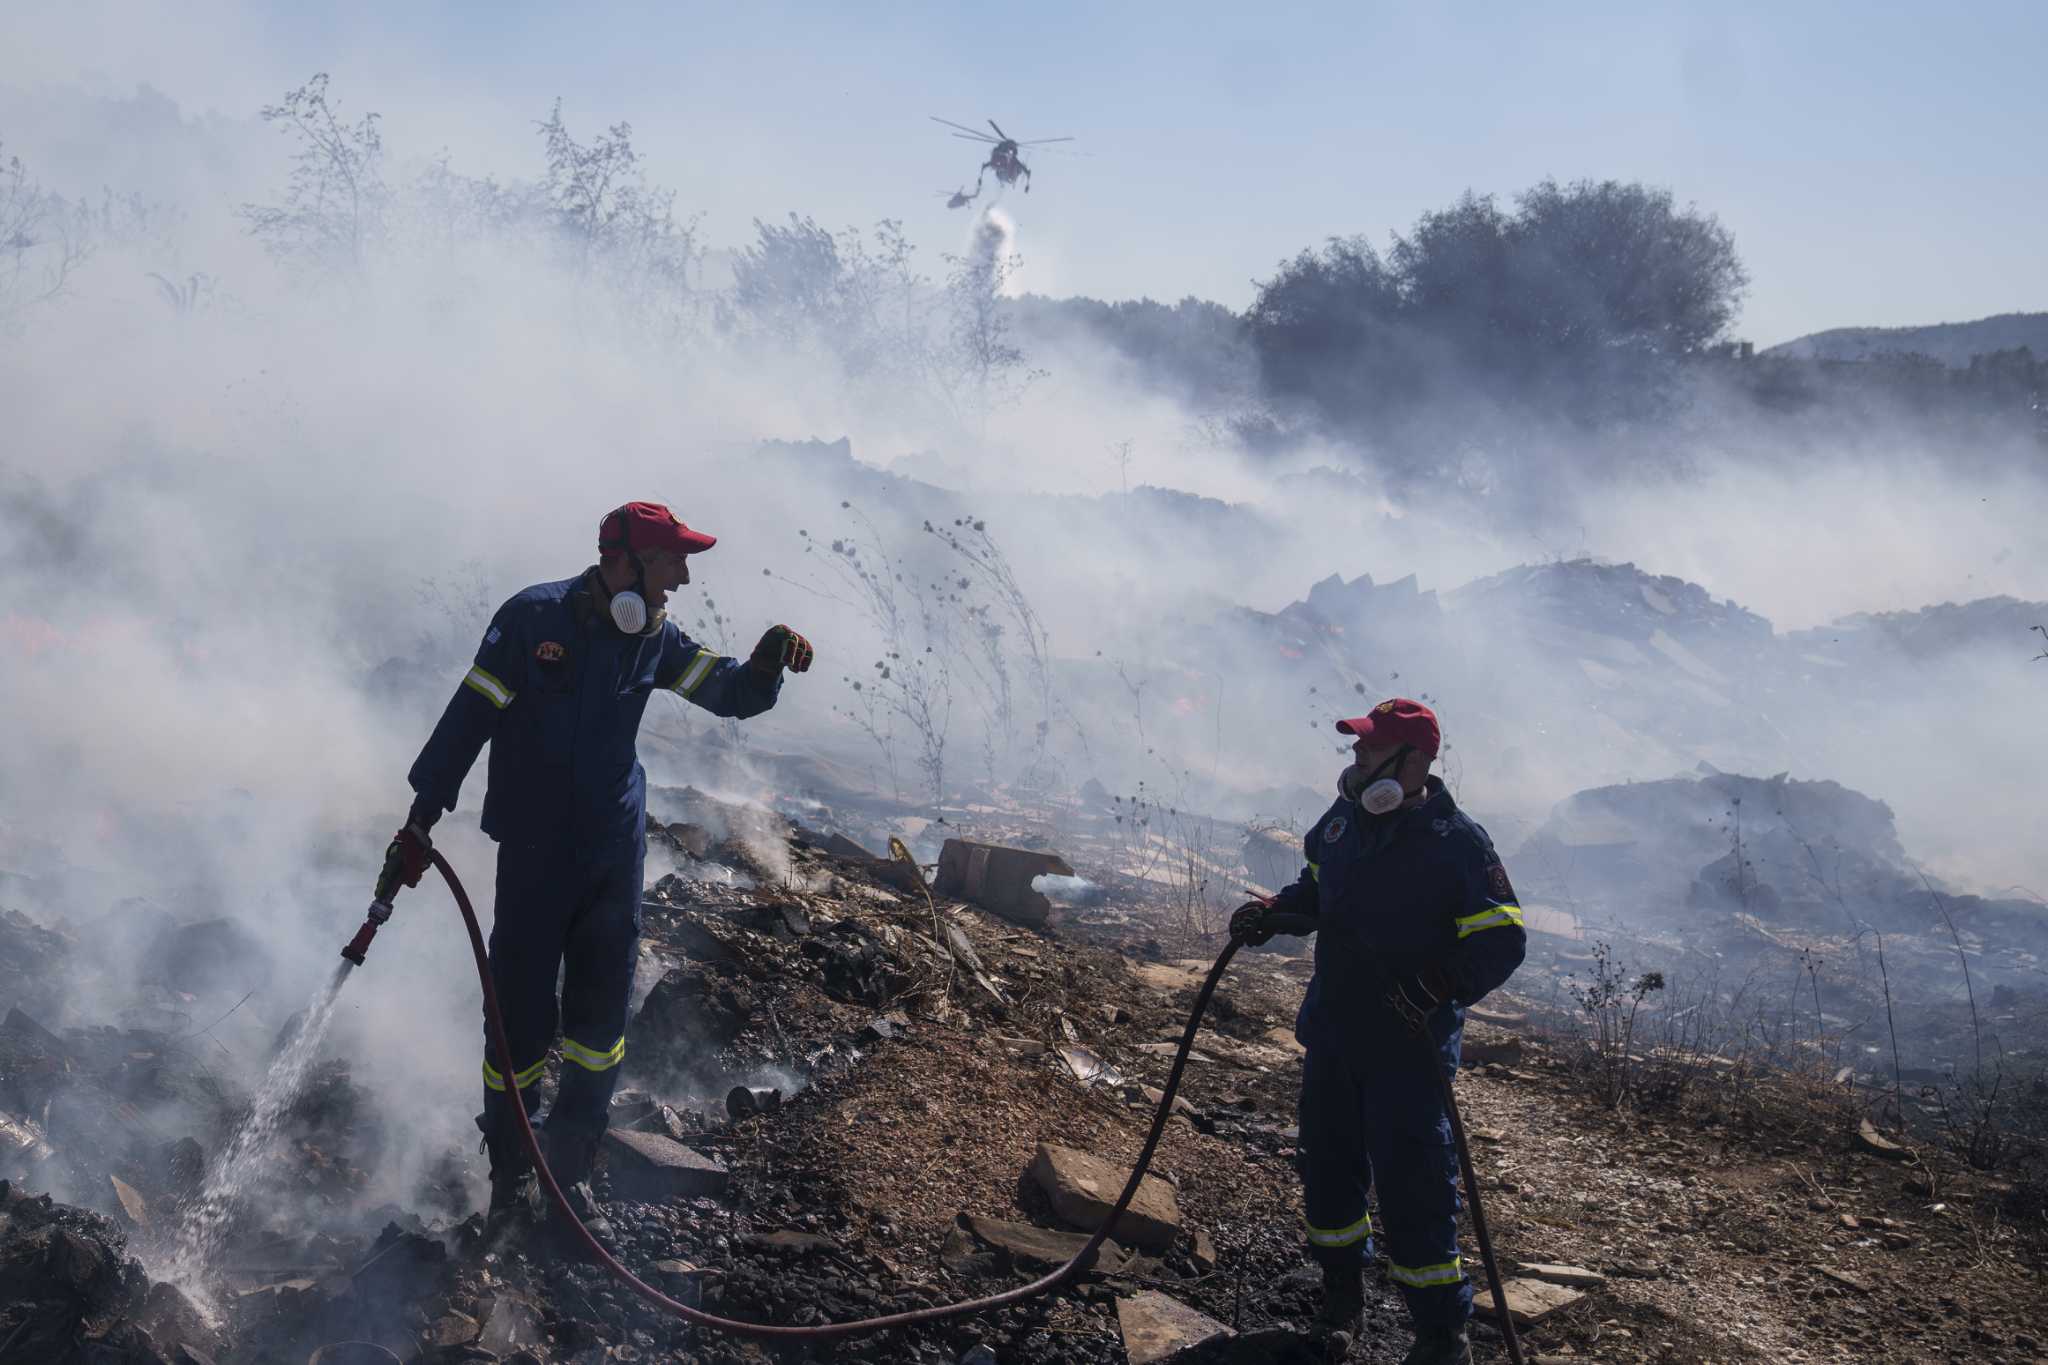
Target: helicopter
1003, 159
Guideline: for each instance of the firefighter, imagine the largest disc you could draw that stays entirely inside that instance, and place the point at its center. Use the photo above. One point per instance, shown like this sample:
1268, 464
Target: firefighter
557, 689
1415, 919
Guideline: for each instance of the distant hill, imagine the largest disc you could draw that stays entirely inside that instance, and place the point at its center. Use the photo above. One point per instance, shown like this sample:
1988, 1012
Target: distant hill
1952, 343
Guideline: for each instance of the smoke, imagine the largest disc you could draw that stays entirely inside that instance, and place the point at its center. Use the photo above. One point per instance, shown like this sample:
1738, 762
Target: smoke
249, 538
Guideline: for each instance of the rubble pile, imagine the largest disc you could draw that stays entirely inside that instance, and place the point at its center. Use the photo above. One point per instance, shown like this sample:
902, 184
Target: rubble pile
848, 1094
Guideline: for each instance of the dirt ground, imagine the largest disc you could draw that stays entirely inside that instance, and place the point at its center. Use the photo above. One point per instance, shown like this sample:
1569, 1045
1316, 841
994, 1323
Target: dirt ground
929, 1047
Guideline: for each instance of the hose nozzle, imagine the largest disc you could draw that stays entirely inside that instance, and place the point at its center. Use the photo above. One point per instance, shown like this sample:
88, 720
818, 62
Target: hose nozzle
380, 910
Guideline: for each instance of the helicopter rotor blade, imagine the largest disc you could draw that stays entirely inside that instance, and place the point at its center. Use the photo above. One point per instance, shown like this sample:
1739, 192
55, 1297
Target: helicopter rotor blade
960, 126
970, 137
999, 130
1044, 140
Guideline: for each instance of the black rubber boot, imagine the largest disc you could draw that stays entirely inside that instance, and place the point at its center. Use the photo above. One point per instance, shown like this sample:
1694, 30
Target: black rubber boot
572, 1156
1440, 1347
512, 1183
1343, 1306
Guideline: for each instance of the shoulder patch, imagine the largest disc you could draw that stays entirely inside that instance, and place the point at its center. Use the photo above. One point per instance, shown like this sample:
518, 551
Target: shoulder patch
1497, 884
491, 636
1334, 830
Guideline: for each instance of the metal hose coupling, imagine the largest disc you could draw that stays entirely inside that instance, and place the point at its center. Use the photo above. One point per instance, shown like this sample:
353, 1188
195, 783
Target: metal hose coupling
380, 910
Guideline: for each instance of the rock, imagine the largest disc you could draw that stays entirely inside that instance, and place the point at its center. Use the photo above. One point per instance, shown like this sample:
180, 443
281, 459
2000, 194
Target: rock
1576, 1277
1849, 1222
649, 1168
1083, 1189
1877, 1144
978, 1354
1845, 1279
1506, 1019
453, 1329
1529, 1300
1152, 1095
1204, 1252
839, 846
1480, 1051
1156, 1327
1041, 1248
132, 1202
998, 879
510, 1323
962, 1255
1282, 1037
789, 1242
695, 1006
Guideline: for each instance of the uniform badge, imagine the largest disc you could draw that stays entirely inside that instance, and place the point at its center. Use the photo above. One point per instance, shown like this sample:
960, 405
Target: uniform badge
1441, 826
1383, 708
1334, 831
1498, 886
550, 652
491, 636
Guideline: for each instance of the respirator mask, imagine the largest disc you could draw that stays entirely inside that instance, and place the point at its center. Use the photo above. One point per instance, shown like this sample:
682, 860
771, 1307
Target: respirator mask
628, 605
1374, 793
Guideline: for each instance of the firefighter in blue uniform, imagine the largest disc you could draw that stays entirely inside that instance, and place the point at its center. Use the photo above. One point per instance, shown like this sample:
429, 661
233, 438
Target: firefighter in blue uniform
1415, 919
557, 690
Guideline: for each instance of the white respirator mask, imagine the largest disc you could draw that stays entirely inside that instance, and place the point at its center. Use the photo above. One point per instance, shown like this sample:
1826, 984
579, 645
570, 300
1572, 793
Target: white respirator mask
629, 611
1374, 794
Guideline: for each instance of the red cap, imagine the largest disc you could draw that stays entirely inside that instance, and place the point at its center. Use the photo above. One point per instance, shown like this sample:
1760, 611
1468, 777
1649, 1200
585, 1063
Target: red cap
1397, 721
642, 526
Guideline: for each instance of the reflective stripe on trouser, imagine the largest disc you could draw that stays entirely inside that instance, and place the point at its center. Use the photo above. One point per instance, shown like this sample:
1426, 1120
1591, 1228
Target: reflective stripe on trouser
1358, 1230
1367, 1120
579, 918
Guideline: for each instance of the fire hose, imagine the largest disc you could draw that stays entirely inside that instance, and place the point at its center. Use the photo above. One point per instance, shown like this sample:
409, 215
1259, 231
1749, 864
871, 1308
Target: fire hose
1045, 1284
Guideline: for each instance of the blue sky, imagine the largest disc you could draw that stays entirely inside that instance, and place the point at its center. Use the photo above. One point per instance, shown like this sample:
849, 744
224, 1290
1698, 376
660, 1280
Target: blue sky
1878, 163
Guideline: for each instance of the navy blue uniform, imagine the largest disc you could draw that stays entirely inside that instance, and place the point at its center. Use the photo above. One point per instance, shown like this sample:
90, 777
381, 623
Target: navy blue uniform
1418, 890
558, 691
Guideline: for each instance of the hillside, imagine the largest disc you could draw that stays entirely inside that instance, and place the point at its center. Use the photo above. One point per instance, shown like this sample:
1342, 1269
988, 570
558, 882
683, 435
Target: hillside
1952, 343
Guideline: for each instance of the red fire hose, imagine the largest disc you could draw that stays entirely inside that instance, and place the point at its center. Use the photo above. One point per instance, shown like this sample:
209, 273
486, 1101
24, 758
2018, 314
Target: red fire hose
938, 1313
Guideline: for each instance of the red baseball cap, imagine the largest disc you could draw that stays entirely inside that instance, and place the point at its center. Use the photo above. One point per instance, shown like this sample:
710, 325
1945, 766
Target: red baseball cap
1397, 721
648, 526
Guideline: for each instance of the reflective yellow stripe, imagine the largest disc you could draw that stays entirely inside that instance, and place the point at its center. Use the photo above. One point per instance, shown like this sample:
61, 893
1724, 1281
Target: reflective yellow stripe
1427, 1276
590, 1059
1341, 1237
1490, 918
489, 688
699, 669
1315, 873
495, 1078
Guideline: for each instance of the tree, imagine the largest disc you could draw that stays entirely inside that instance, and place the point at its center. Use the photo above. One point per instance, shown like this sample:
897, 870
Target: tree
1579, 304
605, 212
332, 213
44, 238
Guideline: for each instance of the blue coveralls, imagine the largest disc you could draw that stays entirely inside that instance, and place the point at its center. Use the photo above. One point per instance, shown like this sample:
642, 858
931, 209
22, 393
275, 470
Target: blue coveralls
1419, 889
557, 690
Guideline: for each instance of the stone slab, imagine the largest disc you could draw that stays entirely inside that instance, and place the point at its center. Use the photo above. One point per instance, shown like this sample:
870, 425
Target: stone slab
649, 1168
1083, 1189
1155, 1327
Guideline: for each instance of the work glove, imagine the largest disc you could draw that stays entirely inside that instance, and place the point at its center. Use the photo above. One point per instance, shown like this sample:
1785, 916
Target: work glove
406, 860
1247, 923
781, 648
1415, 998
